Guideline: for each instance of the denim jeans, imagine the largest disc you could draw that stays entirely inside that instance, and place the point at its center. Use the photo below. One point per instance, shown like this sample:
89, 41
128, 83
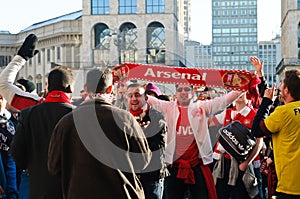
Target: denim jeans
176, 188
153, 189
258, 175
24, 185
11, 189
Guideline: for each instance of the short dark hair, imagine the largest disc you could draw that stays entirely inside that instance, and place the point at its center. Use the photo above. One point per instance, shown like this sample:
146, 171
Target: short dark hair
60, 78
292, 82
98, 81
136, 85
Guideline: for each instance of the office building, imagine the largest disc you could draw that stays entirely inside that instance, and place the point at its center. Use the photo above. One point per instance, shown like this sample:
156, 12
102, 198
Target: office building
197, 55
270, 53
234, 33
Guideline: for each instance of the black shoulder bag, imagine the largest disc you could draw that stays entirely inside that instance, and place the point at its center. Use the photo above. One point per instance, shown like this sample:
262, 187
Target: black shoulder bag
237, 140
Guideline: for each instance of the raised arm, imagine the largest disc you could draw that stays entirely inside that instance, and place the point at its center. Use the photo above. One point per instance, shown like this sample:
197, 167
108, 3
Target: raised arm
218, 103
160, 105
14, 95
258, 66
259, 128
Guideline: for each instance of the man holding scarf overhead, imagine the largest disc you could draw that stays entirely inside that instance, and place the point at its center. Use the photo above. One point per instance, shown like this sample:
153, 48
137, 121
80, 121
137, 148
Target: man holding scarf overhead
189, 150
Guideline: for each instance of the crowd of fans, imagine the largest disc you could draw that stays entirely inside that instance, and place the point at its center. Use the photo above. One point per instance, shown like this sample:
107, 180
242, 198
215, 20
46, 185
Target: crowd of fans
131, 140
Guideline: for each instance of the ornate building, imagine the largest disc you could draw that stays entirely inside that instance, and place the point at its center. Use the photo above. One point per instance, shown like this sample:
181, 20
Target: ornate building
59, 43
103, 34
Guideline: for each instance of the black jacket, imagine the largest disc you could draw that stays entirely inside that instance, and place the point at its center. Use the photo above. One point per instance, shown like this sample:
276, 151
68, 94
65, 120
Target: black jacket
29, 147
156, 134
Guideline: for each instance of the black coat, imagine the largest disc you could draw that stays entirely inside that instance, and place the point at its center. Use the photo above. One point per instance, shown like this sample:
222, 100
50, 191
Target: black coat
95, 149
156, 134
30, 144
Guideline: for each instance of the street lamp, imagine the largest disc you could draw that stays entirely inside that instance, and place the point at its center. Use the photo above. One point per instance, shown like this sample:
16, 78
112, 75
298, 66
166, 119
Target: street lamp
119, 39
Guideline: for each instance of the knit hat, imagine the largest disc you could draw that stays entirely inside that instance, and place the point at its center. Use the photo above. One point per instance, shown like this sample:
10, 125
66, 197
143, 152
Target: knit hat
29, 85
151, 87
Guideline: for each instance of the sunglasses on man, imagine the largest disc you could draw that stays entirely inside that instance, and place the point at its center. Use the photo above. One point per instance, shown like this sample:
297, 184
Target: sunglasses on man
185, 89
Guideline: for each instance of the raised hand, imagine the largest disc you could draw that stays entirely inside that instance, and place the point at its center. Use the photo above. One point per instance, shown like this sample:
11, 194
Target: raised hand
258, 65
27, 49
270, 92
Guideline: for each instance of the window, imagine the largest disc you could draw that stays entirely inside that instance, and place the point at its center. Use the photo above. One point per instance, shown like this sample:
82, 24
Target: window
127, 6
58, 53
155, 6
156, 46
4, 60
102, 37
39, 58
101, 43
48, 55
298, 4
100, 7
127, 43
39, 85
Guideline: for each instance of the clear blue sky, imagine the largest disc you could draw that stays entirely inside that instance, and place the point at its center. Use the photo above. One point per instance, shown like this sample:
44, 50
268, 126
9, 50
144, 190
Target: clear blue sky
19, 14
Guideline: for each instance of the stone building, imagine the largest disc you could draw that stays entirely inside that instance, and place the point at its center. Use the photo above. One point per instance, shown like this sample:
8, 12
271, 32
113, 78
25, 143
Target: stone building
102, 34
290, 36
59, 43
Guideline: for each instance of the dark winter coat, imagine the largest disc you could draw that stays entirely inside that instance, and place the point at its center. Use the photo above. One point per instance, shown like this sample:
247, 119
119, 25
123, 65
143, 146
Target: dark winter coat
95, 149
156, 134
30, 144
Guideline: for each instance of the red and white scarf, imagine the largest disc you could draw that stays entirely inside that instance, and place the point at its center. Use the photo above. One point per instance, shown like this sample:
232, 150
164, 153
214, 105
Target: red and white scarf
58, 96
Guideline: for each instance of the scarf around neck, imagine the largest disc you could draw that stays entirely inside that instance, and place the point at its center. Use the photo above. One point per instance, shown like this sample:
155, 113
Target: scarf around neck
140, 112
57, 96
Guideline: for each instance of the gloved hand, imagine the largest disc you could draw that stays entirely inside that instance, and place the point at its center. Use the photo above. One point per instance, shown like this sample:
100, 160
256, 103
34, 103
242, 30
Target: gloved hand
27, 49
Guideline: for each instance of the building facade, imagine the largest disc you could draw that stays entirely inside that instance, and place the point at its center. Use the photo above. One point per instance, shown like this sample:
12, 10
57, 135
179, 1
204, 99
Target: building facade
132, 31
59, 44
290, 36
187, 18
102, 34
197, 55
270, 53
234, 33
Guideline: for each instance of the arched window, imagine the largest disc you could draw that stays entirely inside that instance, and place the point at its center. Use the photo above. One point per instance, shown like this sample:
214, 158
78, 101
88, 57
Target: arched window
156, 46
127, 42
102, 37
